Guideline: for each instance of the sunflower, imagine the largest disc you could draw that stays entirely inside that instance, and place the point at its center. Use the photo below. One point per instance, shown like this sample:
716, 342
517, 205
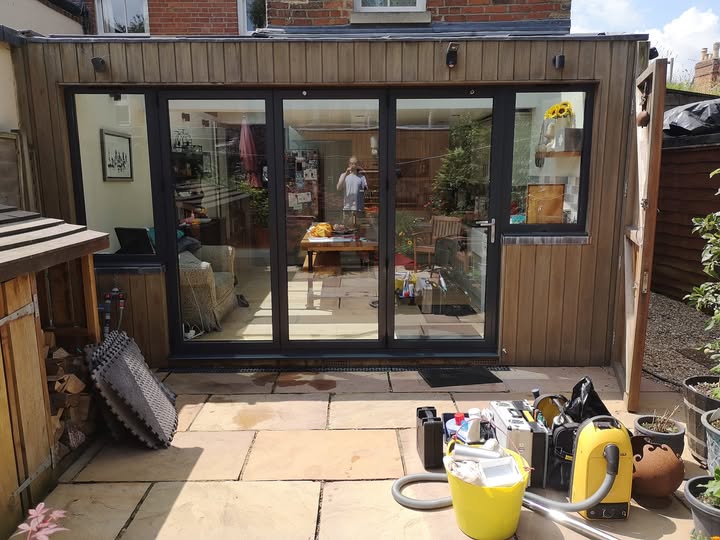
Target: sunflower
551, 112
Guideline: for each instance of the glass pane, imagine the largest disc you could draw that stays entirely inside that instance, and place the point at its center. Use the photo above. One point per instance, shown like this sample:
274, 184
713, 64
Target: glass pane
136, 16
114, 16
373, 3
115, 164
219, 160
331, 183
442, 190
546, 157
403, 3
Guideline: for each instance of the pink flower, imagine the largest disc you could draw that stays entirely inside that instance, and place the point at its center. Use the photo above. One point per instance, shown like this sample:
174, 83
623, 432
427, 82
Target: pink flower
38, 511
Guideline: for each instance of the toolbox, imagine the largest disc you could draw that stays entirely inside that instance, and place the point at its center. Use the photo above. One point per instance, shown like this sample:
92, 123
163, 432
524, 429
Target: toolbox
518, 430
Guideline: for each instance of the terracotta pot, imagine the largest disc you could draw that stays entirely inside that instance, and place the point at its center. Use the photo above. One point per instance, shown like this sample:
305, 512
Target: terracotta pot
657, 470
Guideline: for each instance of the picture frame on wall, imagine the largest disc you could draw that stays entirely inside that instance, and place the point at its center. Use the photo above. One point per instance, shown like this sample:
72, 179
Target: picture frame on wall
116, 149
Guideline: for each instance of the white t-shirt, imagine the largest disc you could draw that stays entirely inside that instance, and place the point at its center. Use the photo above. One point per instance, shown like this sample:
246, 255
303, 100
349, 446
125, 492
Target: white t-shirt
354, 192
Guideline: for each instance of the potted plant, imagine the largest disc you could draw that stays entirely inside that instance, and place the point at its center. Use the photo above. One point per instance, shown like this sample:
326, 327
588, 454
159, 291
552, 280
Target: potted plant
260, 212
711, 423
703, 495
662, 430
702, 394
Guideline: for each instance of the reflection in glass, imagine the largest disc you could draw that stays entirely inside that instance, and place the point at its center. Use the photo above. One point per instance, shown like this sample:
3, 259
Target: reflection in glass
442, 190
547, 157
219, 163
112, 133
331, 187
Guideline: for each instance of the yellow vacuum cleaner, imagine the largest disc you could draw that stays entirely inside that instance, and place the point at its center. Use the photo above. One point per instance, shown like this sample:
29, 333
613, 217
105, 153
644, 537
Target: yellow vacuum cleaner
597, 437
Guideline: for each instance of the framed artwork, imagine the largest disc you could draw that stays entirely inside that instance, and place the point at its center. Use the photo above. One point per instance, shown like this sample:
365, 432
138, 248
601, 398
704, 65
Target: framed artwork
116, 156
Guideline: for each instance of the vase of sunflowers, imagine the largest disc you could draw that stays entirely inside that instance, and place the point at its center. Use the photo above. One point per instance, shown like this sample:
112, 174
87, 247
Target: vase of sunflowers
556, 121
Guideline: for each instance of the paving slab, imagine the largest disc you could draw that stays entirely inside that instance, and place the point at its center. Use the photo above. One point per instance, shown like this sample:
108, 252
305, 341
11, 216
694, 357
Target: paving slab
94, 511
375, 411
557, 379
257, 412
673, 521
192, 456
351, 507
221, 383
411, 381
324, 455
332, 381
188, 406
227, 510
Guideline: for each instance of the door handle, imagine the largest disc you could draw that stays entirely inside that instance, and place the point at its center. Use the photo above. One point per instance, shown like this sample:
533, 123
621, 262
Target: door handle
490, 223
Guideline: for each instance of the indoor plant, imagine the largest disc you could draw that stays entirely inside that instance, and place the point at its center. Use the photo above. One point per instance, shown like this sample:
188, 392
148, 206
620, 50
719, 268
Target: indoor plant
703, 495
702, 394
662, 430
260, 212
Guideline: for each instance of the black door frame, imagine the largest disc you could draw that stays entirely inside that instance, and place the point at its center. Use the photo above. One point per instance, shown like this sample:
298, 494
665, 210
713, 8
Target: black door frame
502, 117
386, 345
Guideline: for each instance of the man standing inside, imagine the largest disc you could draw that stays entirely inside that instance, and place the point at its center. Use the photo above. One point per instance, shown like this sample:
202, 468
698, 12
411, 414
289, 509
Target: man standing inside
355, 186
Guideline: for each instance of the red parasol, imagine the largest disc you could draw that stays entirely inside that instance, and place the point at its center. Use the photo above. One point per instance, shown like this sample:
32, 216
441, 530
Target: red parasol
248, 153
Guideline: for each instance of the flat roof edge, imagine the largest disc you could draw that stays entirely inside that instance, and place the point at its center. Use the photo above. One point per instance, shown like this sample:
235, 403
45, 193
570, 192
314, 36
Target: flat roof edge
467, 36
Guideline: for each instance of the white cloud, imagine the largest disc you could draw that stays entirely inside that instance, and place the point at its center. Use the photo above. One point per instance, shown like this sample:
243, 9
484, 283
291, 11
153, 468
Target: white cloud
683, 37
593, 16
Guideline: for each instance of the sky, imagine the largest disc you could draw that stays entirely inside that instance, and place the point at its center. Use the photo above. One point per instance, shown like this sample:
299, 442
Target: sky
678, 28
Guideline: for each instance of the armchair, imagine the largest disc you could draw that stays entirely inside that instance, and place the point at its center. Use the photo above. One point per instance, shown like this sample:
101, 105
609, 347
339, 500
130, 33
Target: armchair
207, 286
440, 227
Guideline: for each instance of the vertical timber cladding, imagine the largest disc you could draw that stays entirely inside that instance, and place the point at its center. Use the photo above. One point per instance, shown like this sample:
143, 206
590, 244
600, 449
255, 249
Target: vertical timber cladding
557, 302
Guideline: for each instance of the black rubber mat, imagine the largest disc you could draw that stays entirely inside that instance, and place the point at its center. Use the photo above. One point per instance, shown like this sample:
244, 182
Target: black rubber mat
439, 377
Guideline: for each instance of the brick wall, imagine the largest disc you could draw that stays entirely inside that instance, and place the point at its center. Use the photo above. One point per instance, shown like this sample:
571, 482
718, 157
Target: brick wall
334, 12
187, 17
184, 17
707, 75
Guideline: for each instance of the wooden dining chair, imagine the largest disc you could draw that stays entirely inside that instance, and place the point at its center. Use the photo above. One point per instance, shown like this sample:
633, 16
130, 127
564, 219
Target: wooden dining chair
440, 227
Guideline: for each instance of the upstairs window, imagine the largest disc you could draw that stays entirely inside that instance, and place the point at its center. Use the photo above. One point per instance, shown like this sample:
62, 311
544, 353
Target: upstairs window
123, 17
390, 5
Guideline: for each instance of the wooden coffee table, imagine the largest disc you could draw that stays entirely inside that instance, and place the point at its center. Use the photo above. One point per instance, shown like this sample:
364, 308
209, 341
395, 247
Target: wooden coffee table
334, 245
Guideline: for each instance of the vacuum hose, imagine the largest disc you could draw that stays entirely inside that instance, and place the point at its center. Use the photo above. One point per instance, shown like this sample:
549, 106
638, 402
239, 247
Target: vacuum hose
530, 500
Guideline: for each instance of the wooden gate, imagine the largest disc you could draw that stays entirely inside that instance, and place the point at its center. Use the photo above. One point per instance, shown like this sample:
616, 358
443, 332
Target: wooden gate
641, 216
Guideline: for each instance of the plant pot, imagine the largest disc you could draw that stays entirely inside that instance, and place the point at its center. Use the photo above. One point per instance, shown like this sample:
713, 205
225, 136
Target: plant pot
695, 405
657, 470
676, 440
706, 518
262, 237
712, 441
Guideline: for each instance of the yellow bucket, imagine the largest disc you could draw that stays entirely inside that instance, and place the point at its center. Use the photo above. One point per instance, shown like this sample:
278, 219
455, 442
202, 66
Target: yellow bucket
489, 513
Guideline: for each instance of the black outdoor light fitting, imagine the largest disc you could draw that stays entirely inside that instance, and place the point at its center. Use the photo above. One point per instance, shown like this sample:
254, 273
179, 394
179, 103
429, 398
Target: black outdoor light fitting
451, 57
558, 61
99, 63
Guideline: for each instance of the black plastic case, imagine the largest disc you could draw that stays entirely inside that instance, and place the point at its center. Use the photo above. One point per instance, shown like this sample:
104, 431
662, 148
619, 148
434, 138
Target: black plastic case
429, 437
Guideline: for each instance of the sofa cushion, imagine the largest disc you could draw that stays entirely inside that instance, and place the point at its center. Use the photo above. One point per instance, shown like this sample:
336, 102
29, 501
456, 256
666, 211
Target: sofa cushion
188, 259
224, 284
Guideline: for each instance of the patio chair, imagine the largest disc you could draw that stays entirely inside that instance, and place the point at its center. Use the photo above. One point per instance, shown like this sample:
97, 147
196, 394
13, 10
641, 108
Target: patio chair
440, 227
207, 286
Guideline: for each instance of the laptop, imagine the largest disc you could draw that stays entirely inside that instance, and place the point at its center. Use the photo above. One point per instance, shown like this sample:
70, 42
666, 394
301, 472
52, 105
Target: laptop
135, 241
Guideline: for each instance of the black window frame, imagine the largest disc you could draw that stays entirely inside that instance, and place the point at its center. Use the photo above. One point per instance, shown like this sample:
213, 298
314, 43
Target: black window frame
120, 260
551, 229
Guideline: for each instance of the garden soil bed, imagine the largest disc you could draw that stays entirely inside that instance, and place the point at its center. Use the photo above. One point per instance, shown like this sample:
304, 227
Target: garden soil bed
674, 332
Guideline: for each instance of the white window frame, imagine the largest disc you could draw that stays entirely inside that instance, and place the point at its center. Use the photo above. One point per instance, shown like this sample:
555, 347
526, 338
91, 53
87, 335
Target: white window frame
419, 6
100, 21
242, 17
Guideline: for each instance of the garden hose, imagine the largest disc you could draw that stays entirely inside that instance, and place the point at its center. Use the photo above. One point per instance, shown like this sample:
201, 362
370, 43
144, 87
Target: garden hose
546, 507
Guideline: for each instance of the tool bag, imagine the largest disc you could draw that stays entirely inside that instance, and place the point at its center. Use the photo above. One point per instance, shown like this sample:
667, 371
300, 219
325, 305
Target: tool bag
584, 403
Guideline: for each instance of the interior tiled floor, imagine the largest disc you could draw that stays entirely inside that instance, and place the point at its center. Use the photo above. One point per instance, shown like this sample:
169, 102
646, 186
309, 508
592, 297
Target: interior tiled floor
340, 298
312, 456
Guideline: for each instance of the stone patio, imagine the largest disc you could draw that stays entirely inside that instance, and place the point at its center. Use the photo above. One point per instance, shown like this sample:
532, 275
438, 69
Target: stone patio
312, 456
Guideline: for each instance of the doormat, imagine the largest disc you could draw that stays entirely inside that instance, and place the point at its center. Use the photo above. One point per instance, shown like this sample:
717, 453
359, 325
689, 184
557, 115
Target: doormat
439, 377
